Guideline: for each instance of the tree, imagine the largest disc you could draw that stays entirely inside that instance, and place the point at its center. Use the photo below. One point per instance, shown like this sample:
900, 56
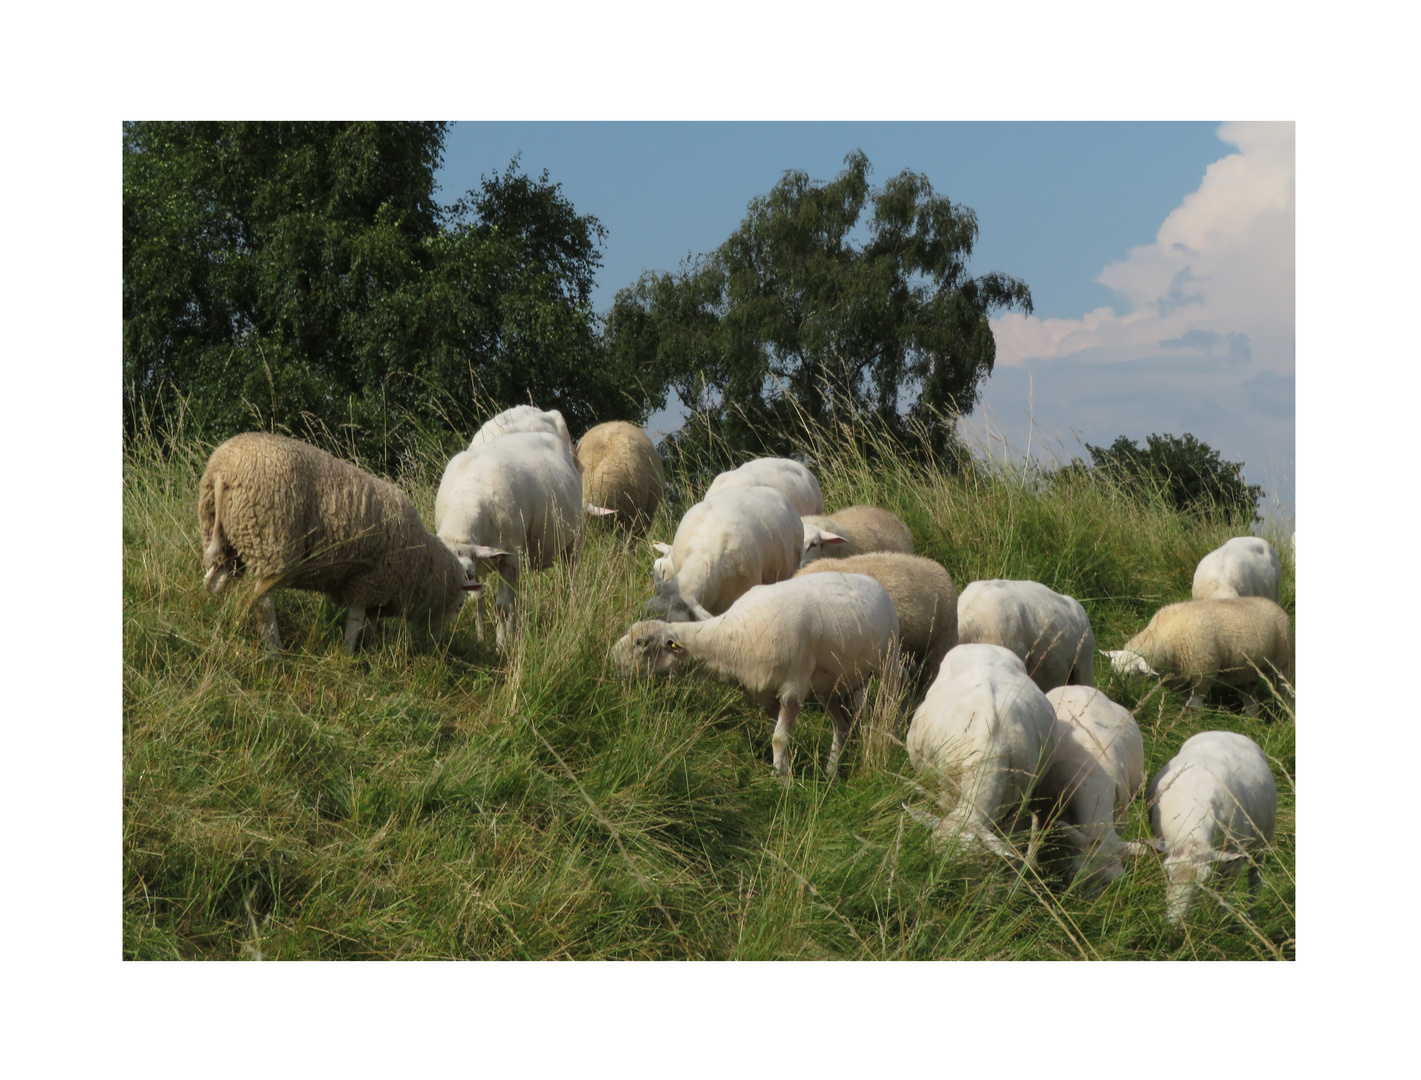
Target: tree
803, 312
302, 275
1183, 472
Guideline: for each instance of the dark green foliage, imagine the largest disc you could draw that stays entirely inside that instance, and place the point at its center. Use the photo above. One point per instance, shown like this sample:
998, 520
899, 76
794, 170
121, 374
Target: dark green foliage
1182, 472
805, 315
301, 276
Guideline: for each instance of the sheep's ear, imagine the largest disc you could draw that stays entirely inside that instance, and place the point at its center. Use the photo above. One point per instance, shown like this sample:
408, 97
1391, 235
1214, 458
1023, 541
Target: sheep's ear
475, 587
831, 538
661, 549
597, 511
478, 551
1225, 856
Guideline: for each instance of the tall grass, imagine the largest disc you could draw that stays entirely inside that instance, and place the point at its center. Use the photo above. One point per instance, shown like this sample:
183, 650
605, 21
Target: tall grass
531, 804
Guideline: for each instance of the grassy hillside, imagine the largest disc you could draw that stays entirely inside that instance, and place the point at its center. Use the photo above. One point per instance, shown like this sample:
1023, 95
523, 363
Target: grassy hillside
534, 805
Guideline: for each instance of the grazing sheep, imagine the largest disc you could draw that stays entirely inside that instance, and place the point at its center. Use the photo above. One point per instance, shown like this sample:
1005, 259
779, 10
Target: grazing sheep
1197, 643
1245, 566
523, 418
621, 470
294, 517
854, 530
738, 538
514, 503
788, 477
1096, 772
922, 593
1050, 632
826, 635
981, 739
1215, 802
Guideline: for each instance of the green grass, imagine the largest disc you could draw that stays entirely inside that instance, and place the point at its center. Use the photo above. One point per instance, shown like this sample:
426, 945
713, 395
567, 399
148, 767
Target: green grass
456, 802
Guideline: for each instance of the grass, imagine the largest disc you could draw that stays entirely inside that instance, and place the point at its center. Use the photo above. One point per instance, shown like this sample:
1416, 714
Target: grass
458, 802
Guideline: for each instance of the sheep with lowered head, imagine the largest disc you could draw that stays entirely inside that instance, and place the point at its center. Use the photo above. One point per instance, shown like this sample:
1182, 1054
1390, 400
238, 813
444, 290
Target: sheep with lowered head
785, 475
1212, 808
523, 418
922, 592
854, 530
621, 470
1245, 566
291, 516
737, 538
512, 504
1049, 631
1197, 643
1095, 773
825, 635
981, 739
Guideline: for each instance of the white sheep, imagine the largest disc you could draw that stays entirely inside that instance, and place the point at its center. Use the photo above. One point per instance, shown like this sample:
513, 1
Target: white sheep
512, 504
1245, 566
1197, 643
1049, 631
738, 538
827, 635
523, 418
1212, 807
292, 516
922, 593
621, 470
854, 530
981, 739
1095, 773
786, 476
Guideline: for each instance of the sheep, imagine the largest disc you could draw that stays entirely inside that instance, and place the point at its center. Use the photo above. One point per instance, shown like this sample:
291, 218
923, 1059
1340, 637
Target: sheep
621, 470
1215, 802
1050, 632
1245, 566
1197, 643
827, 635
292, 516
513, 503
854, 530
922, 593
981, 738
735, 539
788, 477
661, 565
523, 418
1095, 773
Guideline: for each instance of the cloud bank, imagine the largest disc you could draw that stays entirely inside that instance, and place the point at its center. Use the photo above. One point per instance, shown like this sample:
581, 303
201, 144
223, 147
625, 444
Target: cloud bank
1203, 339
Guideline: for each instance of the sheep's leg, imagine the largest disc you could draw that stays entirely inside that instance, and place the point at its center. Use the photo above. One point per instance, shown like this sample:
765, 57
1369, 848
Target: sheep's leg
506, 618
784, 726
1250, 703
267, 606
843, 724
1255, 883
354, 624
1197, 693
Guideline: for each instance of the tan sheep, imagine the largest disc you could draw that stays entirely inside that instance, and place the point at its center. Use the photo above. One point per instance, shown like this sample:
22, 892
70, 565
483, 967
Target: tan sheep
621, 470
856, 530
1199, 642
292, 516
922, 592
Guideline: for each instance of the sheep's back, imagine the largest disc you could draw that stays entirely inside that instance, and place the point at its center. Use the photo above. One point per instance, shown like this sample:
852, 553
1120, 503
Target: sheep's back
621, 470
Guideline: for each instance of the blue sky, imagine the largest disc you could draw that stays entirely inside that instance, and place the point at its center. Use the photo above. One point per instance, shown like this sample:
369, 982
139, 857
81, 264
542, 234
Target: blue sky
1135, 330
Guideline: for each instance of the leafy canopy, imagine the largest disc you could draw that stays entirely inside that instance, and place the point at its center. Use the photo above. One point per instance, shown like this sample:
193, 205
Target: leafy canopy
807, 314
302, 276
1185, 473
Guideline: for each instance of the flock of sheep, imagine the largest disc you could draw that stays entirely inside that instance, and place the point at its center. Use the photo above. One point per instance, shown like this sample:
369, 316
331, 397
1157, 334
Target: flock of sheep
760, 590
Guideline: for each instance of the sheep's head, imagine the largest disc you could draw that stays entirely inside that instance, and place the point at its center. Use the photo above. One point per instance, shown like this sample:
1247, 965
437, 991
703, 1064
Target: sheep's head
1128, 663
816, 540
1185, 875
654, 647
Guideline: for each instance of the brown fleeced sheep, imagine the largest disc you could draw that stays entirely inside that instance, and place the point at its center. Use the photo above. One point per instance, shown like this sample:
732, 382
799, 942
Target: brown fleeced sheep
295, 517
621, 470
922, 592
1199, 642
859, 529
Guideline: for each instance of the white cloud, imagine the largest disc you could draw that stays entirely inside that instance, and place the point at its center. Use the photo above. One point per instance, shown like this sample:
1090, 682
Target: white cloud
1217, 281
